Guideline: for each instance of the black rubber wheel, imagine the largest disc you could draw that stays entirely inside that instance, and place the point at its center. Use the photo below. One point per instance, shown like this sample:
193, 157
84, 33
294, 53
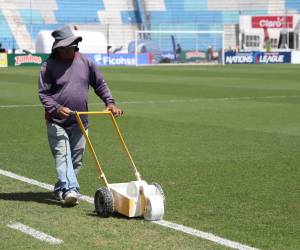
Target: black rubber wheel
159, 188
104, 202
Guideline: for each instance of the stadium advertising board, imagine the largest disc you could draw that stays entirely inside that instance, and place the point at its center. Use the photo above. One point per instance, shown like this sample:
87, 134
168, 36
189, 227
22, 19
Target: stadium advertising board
185, 56
167, 55
272, 22
257, 57
193, 56
3, 60
239, 58
272, 57
26, 59
295, 57
119, 59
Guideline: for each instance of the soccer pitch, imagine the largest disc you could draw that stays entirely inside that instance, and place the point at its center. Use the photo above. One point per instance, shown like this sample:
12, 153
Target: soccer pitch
223, 141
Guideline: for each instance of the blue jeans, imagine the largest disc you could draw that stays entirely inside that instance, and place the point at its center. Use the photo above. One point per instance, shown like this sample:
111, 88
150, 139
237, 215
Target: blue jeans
67, 148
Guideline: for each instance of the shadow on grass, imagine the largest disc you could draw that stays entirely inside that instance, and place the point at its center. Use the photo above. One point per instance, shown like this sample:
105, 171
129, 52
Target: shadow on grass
115, 216
40, 197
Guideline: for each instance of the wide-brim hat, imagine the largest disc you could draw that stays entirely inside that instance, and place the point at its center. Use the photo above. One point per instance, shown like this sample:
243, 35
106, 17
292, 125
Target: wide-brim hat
64, 37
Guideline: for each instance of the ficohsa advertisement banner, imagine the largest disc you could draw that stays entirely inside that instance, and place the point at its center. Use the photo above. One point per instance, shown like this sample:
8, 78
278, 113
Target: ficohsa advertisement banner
120, 59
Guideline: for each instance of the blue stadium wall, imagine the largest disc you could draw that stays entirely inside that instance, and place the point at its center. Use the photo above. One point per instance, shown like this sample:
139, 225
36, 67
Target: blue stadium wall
177, 14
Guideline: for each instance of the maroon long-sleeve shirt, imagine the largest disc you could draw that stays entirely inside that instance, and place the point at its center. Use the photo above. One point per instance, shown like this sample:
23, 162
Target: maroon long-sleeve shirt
66, 83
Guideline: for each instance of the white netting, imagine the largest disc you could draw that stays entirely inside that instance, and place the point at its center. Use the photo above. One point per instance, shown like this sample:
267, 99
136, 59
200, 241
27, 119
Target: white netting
180, 46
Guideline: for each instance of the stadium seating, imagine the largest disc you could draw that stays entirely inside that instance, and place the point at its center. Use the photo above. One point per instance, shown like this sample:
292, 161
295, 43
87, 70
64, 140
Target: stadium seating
20, 21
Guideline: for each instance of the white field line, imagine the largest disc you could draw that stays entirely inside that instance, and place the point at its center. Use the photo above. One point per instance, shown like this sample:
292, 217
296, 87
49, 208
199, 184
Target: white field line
39, 184
178, 227
204, 235
34, 233
165, 101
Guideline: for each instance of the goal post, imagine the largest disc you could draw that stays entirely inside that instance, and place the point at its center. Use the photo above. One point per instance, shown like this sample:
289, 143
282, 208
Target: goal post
180, 47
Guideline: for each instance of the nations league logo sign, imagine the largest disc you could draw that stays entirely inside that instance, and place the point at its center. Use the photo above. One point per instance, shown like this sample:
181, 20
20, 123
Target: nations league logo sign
257, 57
239, 58
275, 57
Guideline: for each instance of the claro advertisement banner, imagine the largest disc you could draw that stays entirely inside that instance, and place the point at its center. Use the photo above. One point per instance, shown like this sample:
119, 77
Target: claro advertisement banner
257, 57
272, 22
120, 59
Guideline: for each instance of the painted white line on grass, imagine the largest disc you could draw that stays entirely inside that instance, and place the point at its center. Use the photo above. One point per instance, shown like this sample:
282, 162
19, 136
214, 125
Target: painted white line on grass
39, 184
204, 235
25, 179
258, 97
34, 233
98, 103
19, 106
165, 101
178, 227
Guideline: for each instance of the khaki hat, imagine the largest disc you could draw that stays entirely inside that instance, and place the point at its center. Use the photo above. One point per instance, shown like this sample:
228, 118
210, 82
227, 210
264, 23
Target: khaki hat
64, 37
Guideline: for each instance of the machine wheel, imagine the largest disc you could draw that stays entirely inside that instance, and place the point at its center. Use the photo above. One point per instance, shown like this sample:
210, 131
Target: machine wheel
160, 190
104, 202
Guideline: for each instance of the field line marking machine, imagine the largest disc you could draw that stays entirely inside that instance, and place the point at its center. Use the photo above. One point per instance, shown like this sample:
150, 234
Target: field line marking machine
132, 199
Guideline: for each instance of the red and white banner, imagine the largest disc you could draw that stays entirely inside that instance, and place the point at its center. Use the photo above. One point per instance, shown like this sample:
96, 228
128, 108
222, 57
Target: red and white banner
272, 22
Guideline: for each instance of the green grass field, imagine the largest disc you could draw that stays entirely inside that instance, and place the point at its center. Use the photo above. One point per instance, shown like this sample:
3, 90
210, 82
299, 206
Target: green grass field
223, 141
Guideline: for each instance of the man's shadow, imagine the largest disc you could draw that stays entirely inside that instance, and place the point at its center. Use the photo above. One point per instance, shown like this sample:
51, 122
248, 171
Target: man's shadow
39, 197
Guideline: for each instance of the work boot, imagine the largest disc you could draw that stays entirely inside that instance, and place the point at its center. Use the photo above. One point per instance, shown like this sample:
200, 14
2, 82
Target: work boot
71, 198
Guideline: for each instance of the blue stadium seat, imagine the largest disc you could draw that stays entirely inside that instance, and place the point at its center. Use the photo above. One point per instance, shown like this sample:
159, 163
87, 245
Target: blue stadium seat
6, 37
292, 5
177, 15
70, 11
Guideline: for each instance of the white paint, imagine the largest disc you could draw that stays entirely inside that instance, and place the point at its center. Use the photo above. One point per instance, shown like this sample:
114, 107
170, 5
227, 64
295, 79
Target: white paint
40, 184
178, 227
26, 180
257, 97
34, 233
88, 199
21, 106
166, 101
204, 235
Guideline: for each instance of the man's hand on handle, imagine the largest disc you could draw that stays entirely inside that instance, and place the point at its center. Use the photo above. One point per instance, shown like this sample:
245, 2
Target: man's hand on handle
114, 110
64, 112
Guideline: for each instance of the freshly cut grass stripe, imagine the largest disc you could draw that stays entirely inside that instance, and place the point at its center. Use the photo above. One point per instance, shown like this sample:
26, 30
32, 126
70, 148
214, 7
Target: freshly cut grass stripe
178, 227
34, 233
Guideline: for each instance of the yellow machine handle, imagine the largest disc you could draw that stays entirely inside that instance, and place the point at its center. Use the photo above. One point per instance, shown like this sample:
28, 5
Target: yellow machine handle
99, 169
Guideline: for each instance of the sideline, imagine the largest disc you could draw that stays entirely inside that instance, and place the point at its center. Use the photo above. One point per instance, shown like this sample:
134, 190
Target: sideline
174, 226
166, 101
34, 233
